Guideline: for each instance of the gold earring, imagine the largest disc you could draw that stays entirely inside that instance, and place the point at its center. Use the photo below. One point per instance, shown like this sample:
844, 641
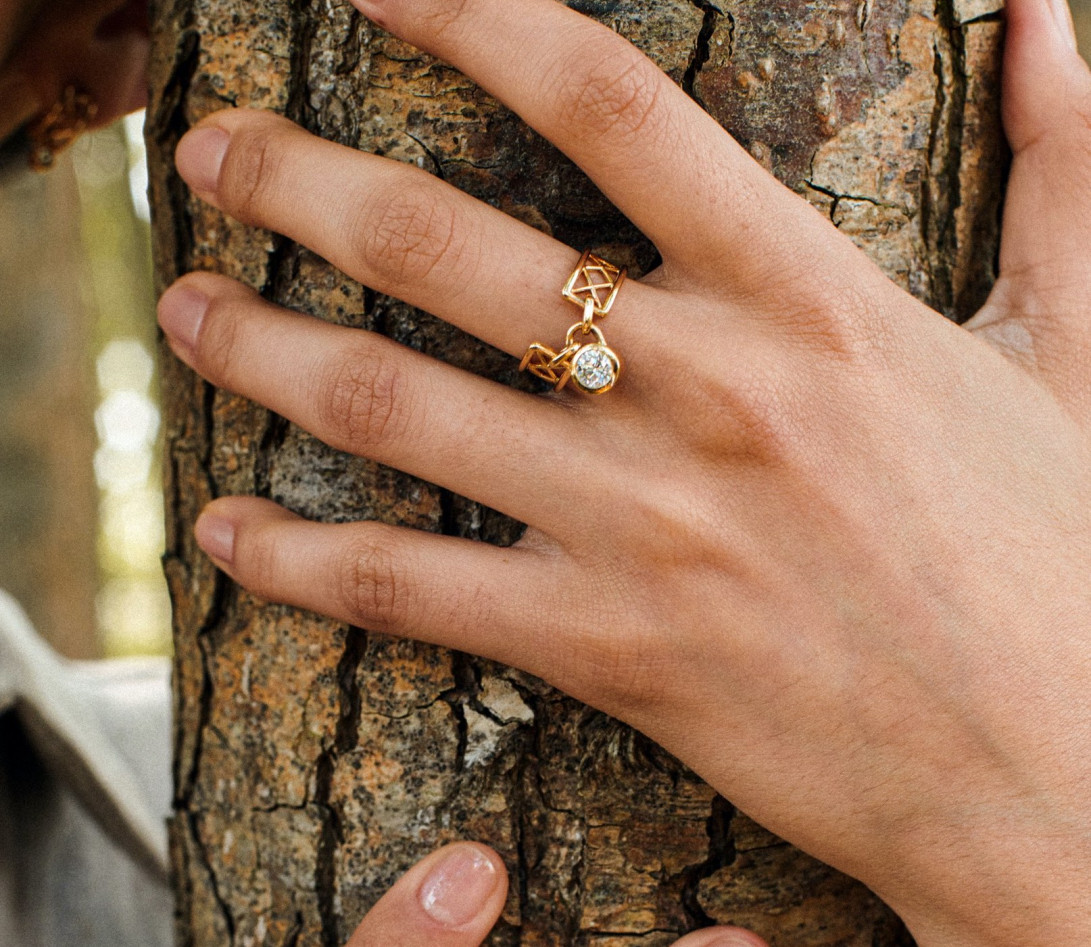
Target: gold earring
55, 130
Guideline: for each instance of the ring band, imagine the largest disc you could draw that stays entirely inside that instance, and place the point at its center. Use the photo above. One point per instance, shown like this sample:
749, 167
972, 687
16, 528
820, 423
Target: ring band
591, 364
596, 280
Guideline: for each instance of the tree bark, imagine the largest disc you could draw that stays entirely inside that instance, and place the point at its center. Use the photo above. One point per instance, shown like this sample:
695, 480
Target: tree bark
315, 762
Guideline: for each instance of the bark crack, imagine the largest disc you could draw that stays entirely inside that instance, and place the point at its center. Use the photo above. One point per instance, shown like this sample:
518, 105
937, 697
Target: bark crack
331, 834
701, 48
433, 156
941, 189
721, 852
291, 938
996, 16
836, 199
213, 886
467, 685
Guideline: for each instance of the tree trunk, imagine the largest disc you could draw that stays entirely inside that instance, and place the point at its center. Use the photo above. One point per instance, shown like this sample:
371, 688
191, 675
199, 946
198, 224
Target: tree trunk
315, 762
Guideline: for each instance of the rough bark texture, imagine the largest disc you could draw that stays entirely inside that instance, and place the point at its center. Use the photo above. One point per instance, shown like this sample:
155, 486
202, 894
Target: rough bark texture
314, 761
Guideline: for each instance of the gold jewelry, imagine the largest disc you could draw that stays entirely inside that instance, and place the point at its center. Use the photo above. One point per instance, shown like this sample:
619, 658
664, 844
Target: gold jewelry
60, 127
592, 365
596, 280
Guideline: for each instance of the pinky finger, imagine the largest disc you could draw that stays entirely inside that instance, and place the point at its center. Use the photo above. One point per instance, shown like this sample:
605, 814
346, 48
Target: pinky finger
441, 589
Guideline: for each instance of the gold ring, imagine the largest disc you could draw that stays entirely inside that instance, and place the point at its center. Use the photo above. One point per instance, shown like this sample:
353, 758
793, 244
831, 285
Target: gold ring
589, 362
596, 280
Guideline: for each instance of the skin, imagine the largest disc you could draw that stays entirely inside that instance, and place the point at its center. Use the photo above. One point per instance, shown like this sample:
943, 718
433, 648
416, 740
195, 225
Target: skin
841, 545
837, 547
453, 897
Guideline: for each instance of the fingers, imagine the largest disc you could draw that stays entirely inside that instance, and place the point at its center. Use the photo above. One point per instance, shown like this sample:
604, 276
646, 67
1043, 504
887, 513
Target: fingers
440, 589
649, 147
365, 394
393, 227
451, 898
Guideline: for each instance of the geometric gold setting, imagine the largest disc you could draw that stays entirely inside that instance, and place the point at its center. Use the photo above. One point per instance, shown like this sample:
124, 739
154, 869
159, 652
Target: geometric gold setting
594, 278
589, 362
554, 367
592, 365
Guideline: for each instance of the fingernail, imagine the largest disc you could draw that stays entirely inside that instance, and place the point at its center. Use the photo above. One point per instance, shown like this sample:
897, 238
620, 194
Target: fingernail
199, 156
216, 536
1062, 14
181, 311
458, 887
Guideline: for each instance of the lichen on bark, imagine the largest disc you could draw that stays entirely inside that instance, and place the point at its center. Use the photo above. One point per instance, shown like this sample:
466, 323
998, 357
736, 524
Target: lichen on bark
315, 762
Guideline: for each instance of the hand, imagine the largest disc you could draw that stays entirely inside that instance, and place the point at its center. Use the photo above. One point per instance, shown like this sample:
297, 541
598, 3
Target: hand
453, 897
825, 546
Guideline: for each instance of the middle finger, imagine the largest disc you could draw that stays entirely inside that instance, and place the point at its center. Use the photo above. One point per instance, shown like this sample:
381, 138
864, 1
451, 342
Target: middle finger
363, 393
649, 147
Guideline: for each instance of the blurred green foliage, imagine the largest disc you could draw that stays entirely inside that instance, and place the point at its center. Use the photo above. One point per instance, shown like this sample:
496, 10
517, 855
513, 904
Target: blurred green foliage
132, 606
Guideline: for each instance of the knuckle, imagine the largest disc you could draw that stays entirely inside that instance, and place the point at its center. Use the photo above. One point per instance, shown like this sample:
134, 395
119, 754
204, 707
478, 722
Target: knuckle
853, 319
407, 234
624, 674
257, 562
770, 425
841, 318
218, 342
440, 19
249, 168
373, 587
598, 94
366, 398
752, 417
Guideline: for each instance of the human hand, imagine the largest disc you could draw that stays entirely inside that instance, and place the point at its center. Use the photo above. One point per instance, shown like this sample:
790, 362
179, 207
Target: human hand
454, 896
826, 547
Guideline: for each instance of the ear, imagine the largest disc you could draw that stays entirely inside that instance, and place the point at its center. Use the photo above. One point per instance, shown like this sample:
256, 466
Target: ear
99, 46
112, 64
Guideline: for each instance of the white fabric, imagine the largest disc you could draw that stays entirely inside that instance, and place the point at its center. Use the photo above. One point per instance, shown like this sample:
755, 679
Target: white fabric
84, 796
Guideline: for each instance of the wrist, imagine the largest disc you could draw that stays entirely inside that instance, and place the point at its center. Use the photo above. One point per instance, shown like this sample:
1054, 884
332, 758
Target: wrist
1025, 892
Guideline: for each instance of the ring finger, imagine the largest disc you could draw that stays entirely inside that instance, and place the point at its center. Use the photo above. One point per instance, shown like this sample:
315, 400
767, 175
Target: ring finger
363, 393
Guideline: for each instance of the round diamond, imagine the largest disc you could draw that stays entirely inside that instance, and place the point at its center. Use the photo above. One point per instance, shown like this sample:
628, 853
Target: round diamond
595, 368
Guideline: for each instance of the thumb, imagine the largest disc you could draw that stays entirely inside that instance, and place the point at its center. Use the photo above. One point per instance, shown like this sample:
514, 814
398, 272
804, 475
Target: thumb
1046, 103
451, 898
1038, 311
721, 937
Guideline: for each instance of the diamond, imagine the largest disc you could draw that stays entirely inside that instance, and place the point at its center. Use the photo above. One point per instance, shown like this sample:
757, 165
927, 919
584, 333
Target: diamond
595, 368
